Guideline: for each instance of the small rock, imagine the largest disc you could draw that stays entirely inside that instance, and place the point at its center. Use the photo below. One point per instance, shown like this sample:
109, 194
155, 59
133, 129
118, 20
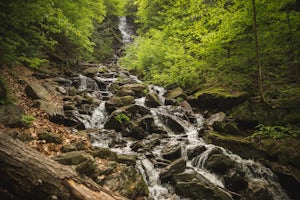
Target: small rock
68, 148
73, 157
172, 152
175, 167
152, 100
37, 91
50, 137
11, 115
217, 117
195, 151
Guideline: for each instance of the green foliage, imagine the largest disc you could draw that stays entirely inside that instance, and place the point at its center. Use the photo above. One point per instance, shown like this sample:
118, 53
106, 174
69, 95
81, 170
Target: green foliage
275, 132
27, 120
211, 43
32, 32
122, 118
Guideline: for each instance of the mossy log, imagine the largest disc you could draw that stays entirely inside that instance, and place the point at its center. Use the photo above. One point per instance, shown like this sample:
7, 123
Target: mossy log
27, 174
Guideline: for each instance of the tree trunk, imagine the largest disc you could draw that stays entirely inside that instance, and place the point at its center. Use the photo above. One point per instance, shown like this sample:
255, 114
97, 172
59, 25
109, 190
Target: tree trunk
259, 66
27, 174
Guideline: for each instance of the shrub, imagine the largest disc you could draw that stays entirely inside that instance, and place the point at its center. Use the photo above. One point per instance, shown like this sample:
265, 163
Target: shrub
121, 118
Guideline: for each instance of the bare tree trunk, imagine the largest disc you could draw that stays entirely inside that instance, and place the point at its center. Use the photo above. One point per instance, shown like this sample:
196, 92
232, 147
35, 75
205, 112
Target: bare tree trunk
27, 174
259, 66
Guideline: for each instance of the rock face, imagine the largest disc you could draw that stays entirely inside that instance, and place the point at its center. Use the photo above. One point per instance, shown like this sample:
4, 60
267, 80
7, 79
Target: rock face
235, 144
192, 185
37, 91
173, 95
11, 115
175, 167
217, 99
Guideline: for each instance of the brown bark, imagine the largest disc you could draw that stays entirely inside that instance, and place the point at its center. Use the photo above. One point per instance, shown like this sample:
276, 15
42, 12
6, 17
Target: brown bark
27, 174
259, 66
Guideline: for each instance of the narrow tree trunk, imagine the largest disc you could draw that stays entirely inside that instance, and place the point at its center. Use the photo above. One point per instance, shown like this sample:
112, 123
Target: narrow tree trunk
258, 62
27, 174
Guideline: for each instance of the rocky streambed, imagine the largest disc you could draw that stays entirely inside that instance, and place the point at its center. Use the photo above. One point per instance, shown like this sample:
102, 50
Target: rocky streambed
153, 143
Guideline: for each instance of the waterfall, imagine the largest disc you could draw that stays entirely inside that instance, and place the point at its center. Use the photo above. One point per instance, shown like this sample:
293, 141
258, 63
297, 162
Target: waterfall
187, 139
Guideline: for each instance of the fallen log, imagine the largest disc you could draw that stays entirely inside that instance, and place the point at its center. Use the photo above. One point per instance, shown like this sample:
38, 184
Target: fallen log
27, 174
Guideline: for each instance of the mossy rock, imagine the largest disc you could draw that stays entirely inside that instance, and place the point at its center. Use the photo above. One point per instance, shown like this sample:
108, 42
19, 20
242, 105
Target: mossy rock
236, 144
139, 89
217, 98
251, 113
175, 95
114, 102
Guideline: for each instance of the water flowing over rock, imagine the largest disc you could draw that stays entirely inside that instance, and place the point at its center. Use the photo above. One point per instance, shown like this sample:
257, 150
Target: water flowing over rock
140, 127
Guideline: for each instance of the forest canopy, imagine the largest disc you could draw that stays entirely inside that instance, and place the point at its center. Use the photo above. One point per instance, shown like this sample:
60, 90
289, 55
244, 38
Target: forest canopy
211, 43
33, 31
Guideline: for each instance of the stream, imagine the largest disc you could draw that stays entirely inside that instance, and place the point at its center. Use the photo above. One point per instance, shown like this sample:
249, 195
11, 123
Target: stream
180, 141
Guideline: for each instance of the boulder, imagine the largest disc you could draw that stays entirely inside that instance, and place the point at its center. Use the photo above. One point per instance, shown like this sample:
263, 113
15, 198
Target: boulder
67, 120
127, 182
147, 123
171, 152
190, 184
176, 94
104, 153
173, 168
217, 98
114, 102
68, 148
258, 189
172, 123
50, 137
249, 114
219, 163
37, 91
236, 144
235, 181
217, 117
195, 151
126, 159
139, 89
11, 115
90, 71
152, 100
73, 157
135, 131
125, 92
51, 109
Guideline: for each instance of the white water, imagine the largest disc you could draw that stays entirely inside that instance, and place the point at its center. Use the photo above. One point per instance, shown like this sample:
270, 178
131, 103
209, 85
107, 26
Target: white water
125, 30
188, 139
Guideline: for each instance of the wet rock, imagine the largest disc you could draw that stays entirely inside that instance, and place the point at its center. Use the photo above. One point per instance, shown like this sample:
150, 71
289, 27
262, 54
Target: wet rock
195, 151
126, 159
127, 182
147, 123
217, 99
50, 137
63, 81
187, 107
249, 114
171, 152
139, 89
114, 123
94, 70
114, 102
258, 189
73, 158
192, 185
11, 115
37, 91
67, 120
235, 181
152, 100
136, 110
136, 132
105, 138
219, 163
175, 167
176, 93
104, 153
232, 128
237, 145
217, 117
125, 92
172, 123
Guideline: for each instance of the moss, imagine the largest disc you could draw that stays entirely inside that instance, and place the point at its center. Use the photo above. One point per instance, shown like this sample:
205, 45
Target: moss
219, 92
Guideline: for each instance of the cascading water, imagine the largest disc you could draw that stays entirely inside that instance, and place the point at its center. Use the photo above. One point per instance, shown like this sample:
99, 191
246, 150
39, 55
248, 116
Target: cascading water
125, 30
187, 139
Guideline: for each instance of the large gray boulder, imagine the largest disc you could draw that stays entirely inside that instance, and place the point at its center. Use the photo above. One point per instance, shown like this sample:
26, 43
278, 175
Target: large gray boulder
37, 91
175, 167
11, 115
190, 184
